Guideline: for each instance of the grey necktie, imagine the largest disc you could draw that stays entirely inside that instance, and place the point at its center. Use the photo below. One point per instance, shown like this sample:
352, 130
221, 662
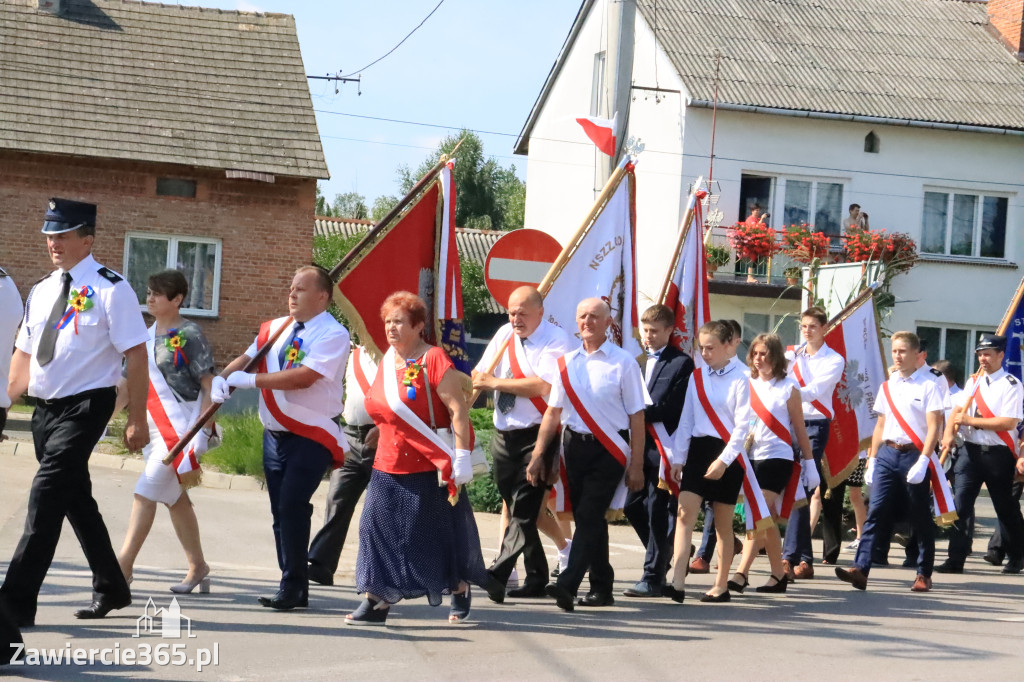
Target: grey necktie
507, 401
48, 339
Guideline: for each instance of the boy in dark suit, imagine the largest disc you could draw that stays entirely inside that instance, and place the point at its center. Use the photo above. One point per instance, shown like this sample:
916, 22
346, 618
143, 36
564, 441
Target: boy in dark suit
652, 510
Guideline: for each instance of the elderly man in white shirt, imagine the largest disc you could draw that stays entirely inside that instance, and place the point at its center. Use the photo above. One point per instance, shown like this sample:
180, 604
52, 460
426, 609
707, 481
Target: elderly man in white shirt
301, 382
598, 396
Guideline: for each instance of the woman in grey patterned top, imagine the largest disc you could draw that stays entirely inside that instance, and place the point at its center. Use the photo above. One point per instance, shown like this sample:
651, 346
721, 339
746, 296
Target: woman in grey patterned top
185, 361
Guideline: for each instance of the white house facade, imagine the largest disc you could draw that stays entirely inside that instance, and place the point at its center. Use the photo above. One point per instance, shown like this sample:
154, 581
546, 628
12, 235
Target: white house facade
917, 116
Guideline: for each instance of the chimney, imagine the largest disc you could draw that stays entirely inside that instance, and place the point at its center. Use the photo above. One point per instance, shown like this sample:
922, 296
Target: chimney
1006, 17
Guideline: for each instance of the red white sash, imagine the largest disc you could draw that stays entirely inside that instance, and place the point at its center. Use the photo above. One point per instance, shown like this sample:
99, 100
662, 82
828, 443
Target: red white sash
439, 452
800, 378
794, 496
298, 419
987, 413
167, 418
756, 513
519, 363
659, 434
942, 494
357, 371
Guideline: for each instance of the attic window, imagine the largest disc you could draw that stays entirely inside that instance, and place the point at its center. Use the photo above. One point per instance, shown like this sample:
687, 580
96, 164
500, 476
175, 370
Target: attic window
175, 187
871, 143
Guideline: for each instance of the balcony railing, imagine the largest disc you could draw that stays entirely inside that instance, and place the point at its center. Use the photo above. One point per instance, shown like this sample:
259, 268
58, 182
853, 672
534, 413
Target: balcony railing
766, 271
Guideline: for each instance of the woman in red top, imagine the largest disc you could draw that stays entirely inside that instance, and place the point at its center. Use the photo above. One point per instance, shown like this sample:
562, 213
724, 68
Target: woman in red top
413, 541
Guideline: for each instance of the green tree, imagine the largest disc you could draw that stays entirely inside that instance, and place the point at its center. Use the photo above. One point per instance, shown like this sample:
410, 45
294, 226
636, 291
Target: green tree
350, 205
381, 206
322, 207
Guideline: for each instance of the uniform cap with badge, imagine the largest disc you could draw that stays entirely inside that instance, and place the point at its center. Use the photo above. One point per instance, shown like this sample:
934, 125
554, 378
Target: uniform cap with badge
994, 342
65, 215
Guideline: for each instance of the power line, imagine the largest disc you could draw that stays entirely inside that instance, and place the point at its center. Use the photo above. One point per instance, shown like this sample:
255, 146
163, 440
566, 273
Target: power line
438, 5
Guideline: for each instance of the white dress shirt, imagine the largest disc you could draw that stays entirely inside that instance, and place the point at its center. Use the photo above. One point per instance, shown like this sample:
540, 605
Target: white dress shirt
91, 358
10, 317
936, 377
1003, 394
543, 347
915, 396
612, 380
774, 395
355, 411
325, 344
821, 372
727, 391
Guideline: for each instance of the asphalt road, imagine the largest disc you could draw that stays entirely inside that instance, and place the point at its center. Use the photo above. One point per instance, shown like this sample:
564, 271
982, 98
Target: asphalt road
969, 626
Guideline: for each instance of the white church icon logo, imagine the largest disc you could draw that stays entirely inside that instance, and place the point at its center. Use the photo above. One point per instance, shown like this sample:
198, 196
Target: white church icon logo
172, 622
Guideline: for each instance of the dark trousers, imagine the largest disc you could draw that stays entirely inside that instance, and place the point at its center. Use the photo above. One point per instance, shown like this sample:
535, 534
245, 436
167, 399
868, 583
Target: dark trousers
511, 451
890, 488
294, 466
65, 434
593, 475
993, 466
10, 635
798, 547
995, 544
652, 513
347, 484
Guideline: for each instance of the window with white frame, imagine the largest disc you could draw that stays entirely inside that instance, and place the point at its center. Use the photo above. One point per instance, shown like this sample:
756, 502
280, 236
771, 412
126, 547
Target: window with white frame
597, 86
963, 224
198, 258
816, 202
786, 326
955, 344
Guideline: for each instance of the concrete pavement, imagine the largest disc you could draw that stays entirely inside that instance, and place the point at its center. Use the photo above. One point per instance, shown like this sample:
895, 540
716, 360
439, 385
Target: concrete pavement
970, 625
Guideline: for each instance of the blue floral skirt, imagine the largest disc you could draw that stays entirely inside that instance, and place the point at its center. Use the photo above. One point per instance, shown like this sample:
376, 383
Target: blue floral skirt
413, 543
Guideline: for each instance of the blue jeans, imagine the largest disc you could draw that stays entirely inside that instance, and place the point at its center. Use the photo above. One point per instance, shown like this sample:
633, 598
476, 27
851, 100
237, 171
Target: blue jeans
890, 489
294, 467
797, 546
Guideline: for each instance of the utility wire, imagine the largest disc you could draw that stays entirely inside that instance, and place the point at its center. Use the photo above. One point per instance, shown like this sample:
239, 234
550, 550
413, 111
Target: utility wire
378, 59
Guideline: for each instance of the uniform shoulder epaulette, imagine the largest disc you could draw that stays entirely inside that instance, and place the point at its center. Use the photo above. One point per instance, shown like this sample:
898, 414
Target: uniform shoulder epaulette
1009, 377
935, 371
109, 275
3, 273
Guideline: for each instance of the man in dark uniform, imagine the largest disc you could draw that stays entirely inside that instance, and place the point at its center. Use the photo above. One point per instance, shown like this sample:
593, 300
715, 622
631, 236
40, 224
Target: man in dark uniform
989, 424
80, 321
652, 509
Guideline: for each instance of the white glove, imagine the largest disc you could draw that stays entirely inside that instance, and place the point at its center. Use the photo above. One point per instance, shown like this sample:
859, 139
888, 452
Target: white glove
869, 472
220, 390
241, 380
919, 470
201, 443
462, 467
809, 474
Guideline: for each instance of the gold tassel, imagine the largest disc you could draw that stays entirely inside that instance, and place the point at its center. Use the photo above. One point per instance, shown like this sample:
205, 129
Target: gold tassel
190, 479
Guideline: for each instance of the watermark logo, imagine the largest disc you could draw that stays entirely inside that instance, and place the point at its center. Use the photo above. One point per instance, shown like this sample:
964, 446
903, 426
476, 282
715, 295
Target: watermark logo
171, 621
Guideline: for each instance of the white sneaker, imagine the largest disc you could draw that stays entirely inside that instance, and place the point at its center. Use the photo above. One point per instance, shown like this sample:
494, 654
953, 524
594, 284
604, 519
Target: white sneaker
563, 556
852, 547
513, 580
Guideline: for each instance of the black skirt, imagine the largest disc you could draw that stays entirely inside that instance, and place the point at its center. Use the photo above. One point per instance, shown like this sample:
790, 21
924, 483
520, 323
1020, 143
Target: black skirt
413, 543
703, 451
856, 479
773, 474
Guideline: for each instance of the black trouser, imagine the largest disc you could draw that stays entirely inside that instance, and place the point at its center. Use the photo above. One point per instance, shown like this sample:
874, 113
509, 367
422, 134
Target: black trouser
10, 635
293, 466
995, 543
652, 513
797, 546
3, 418
993, 465
593, 475
347, 484
65, 431
511, 451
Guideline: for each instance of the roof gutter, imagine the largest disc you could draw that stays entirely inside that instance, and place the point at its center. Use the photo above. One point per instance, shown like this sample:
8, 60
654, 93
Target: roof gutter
874, 120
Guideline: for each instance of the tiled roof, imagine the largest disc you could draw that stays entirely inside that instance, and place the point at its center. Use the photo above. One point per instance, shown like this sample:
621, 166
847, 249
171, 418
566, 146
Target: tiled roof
473, 244
161, 83
916, 60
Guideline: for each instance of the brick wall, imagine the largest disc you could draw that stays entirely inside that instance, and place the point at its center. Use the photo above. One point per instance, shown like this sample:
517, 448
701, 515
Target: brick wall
1007, 18
266, 229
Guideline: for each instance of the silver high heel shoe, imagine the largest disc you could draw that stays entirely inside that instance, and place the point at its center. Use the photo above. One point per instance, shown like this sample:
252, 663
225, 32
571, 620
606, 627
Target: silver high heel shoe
188, 587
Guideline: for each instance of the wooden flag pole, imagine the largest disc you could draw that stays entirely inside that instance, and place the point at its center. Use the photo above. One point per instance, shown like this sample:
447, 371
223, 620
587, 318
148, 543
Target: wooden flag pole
567, 252
208, 413
684, 230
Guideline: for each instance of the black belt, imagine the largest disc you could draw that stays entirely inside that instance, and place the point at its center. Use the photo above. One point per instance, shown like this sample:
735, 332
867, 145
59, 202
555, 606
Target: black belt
361, 429
985, 449
816, 422
591, 438
901, 447
529, 431
78, 397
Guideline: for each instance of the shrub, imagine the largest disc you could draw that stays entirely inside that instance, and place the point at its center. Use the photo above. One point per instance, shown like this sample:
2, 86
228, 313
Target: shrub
241, 448
716, 255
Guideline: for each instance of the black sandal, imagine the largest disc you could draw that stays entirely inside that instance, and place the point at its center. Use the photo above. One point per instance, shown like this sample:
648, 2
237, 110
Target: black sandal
737, 587
709, 598
368, 613
461, 602
778, 587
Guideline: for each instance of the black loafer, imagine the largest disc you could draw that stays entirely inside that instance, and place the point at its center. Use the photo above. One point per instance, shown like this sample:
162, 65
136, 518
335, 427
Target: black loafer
285, 600
527, 592
948, 567
670, 591
596, 599
1013, 566
993, 557
320, 575
495, 589
561, 596
101, 607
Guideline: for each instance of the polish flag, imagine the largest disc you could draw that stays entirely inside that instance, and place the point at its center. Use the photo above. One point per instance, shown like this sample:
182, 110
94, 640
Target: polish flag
601, 132
687, 290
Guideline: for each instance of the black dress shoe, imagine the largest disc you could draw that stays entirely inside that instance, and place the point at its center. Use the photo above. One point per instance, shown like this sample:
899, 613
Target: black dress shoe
1013, 566
948, 566
596, 599
716, 598
101, 607
285, 600
561, 596
496, 589
527, 592
670, 591
993, 557
320, 575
